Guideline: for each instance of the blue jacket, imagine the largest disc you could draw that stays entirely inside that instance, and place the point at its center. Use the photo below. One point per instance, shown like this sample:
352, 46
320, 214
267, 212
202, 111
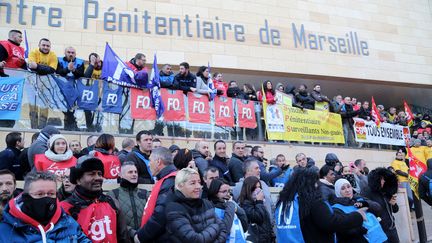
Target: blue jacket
66, 230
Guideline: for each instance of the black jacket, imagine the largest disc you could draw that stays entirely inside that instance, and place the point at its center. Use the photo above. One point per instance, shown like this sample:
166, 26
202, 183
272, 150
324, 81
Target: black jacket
154, 229
365, 113
185, 82
347, 113
327, 191
305, 100
321, 223
382, 196
200, 161
222, 165
9, 159
355, 235
317, 96
143, 173
235, 166
424, 184
236, 92
258, 217
193, 220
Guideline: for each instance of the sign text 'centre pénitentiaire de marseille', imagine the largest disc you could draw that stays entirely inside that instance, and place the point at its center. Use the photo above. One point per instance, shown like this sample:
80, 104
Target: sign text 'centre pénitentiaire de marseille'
141, 21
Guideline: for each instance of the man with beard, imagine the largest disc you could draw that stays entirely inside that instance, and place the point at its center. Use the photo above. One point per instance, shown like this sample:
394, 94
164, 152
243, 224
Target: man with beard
43, 61
137, 65
304, 98
36, 215
131, 198
185, 80
75, 147
11, 53
98, 214
7, 188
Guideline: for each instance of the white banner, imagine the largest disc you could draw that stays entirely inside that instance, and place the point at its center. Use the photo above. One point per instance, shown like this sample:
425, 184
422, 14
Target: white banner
368, 132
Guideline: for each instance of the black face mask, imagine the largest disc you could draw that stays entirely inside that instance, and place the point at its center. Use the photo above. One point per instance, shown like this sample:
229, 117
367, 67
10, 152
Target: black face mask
41, 210
127, 184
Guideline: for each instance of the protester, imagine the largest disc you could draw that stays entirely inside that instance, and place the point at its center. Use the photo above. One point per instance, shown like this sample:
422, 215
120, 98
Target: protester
220, 161
234, 91
425, 184
57, 158
153, 222
221, 86
137, 65
401, 169
75, 147
201, 155
91, 141
251, 199
41, 144
267, 177
184, 159
132, 199
360, 175
166, 77
250, 92
42, 60
267, 93
99, 215
382, 188
36, 215
7, 188
202, 81
348, 175
185, 80
127, 145
104, 150
66, 189
317, 96
219, 195
312, 219
210, 174
140, 156
251, 169
174, 150
94, 68
346, 202
235, 164
11, 53
331, 159
10, 156
23, 157
304, 98
326, 182
365, 112
156, 143
284, 166
190, 218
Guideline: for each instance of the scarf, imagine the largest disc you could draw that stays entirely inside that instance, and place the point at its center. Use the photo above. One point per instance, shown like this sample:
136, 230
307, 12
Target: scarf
58, 157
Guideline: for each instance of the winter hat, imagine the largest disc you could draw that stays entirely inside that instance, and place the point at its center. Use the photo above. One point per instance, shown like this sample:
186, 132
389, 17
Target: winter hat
49, 130
331, 159
54, 138
338, 186
182, 158
173, 148
84, 164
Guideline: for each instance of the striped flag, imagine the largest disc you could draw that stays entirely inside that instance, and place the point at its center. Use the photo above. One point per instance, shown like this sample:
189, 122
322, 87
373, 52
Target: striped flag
409, 115
375, 113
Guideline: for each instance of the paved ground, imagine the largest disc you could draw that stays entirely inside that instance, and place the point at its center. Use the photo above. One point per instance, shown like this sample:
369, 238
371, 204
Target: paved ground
427, 213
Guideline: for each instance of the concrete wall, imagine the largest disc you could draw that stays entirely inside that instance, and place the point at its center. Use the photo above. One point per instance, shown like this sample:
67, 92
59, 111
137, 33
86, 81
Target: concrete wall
398, 34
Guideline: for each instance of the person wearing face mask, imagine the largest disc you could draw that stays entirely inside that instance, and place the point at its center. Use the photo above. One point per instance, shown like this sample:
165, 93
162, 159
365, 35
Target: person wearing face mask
190, 218
348, 175
346, 202
66, 187
131, 198
99, 215
57, 158
36, 215
219, 193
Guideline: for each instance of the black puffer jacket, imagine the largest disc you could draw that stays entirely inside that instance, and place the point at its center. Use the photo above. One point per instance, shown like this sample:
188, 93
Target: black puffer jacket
193, 220
382, 196
424, 184
143, 174
258, 215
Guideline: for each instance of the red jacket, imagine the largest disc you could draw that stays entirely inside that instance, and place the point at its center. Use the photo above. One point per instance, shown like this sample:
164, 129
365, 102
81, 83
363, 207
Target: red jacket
111, 164
15, 54
270, 98
221, 85
42, 163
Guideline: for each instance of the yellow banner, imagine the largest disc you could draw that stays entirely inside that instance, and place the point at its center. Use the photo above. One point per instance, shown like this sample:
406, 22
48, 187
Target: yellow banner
293, 124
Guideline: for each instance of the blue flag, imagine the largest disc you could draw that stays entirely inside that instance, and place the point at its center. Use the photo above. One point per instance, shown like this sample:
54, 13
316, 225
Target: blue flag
211, 84
154, 86
26, 51
115, 70
11, 90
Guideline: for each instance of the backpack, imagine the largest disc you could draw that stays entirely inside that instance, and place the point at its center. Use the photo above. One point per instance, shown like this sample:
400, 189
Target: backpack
375, 233
288, 222
430, 186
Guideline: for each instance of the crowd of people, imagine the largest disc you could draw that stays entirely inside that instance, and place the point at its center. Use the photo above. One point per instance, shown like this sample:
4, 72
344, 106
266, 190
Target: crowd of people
196, 196
43, 60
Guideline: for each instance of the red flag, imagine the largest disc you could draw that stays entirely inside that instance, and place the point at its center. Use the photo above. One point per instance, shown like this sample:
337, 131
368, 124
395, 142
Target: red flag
174, 105
141, 108
198, 107
375, 113
224, 112
416, 169
246, 114
409, 114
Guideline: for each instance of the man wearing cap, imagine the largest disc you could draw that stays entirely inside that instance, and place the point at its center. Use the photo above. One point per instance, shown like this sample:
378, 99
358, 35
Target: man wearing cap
99, 215
36, 215
174, 150
41, 143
